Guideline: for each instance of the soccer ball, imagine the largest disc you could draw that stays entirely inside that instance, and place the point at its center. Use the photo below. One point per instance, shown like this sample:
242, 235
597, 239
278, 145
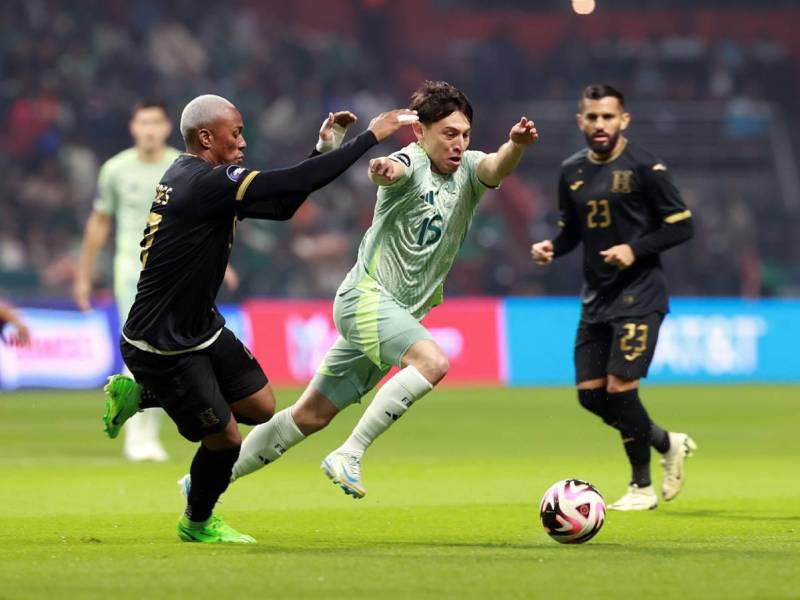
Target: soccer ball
572, 511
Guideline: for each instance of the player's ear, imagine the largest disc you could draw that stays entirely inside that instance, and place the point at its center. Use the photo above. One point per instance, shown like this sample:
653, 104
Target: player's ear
579, 120
418, 130
625, 120
204, 138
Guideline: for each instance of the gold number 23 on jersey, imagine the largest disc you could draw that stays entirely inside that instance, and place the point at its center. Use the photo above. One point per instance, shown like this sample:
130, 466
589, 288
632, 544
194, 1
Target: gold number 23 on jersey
599, 214
153, 221
634, 342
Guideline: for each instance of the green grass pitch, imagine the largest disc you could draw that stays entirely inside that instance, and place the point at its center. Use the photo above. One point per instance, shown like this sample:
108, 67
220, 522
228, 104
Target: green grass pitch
451, 510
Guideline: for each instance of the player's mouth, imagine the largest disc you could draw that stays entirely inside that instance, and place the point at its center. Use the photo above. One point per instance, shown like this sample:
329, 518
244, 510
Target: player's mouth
454, 161
600, 138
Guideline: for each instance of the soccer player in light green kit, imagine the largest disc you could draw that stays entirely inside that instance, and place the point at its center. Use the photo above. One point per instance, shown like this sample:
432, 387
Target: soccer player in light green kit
126, 188
427, 196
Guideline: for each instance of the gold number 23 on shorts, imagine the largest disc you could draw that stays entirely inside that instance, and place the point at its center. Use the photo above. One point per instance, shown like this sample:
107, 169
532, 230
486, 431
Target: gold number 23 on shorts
634, 342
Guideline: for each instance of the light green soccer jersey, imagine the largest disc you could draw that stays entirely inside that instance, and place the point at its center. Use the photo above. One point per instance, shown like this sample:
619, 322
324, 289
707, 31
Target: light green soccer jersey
417, 229
126, 189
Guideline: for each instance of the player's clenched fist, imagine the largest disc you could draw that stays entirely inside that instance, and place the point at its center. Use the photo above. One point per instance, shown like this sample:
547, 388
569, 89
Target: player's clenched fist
524, 132
542, 252
385, 170
385, 124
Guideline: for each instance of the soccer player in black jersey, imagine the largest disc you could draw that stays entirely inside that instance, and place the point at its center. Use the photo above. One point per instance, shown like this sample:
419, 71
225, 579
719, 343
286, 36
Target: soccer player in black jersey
621, 202
175, 341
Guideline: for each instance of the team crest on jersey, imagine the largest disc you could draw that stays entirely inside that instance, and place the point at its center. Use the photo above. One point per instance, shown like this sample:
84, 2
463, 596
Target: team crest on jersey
235, 173
621, 183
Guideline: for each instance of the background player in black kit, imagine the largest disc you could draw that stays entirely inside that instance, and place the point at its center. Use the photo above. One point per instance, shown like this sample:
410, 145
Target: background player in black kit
620, 201
175, 341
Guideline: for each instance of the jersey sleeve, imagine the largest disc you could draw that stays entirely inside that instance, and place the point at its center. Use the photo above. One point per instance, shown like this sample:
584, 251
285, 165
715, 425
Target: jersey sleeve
107, 199
221, 189
416, 165
472, 158
663, 195
568, 221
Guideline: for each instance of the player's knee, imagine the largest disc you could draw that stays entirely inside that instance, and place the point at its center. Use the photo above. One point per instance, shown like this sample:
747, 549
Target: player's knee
592, 400
434, 367
617, 385
309, 422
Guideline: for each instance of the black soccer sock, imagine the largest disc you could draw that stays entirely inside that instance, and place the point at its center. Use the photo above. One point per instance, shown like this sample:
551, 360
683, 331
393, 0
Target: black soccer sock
211, 473
659, 439
634, 427
596, 401
147, 399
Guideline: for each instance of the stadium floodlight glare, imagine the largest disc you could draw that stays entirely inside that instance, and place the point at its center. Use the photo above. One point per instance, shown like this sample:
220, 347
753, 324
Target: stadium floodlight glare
583, 7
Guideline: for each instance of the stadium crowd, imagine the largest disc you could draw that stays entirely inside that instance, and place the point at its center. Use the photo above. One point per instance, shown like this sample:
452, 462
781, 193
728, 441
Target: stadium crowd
67, 83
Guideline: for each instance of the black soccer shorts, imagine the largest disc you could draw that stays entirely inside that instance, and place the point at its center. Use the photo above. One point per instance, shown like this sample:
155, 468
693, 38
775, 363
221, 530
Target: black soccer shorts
623, 347
196, 388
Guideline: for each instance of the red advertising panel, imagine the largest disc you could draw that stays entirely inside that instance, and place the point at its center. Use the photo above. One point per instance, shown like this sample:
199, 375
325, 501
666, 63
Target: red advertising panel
290, 338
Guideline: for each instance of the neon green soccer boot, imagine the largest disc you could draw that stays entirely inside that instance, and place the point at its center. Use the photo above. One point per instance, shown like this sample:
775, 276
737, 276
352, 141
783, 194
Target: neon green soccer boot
122, 402
213, 531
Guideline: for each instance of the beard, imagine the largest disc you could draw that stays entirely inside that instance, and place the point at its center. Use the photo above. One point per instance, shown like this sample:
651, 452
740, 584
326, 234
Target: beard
602, 148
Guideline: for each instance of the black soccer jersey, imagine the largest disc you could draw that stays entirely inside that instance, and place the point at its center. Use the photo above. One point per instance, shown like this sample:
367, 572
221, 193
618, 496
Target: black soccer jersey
185, 251
629, 198
190, 231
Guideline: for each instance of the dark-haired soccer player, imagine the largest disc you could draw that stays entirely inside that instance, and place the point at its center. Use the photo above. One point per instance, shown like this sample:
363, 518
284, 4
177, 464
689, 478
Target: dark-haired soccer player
427, 195
124, 193
175, 341
620, 201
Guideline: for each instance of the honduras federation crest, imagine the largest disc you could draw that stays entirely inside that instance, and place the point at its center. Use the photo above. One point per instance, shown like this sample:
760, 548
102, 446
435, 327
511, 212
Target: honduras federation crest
235, 173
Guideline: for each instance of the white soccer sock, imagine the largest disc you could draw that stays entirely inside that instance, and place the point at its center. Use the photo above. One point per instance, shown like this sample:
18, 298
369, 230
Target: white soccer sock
392, 400
266, 443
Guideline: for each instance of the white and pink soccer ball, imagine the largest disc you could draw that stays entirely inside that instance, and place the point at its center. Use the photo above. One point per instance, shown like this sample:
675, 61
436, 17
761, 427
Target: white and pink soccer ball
572, 511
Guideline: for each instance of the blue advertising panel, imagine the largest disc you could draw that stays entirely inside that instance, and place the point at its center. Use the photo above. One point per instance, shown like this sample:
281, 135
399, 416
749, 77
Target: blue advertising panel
701, 341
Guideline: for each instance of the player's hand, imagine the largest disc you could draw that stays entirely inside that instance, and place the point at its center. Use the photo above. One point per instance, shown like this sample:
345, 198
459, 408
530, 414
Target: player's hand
385, 124
621, 256
385, 168
82, 293
343, 119
22, 337
523, 133
542, 252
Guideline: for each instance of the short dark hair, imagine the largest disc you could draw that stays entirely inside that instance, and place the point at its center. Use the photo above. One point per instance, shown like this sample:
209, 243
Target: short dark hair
149, 103
435, 100
601, 90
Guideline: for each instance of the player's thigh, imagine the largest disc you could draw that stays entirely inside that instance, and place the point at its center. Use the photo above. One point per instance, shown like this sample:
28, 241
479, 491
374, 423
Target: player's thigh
186, 387
592, 350
373, 323
238, 373
634, 345
346, 374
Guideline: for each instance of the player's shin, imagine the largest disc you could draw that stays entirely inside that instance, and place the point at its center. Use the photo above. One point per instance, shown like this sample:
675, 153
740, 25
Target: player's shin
211, 474
634, 427
390, 403
266, 443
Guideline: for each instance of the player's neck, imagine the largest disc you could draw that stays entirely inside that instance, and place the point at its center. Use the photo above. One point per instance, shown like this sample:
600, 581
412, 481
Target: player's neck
151, 156
612, 154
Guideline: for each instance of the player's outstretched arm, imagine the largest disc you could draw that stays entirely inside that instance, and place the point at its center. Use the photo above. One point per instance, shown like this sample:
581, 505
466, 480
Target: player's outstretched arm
277, 194
498, 165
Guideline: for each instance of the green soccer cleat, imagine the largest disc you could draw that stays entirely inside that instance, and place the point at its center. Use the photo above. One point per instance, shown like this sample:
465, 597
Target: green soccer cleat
213, 531
122, 402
